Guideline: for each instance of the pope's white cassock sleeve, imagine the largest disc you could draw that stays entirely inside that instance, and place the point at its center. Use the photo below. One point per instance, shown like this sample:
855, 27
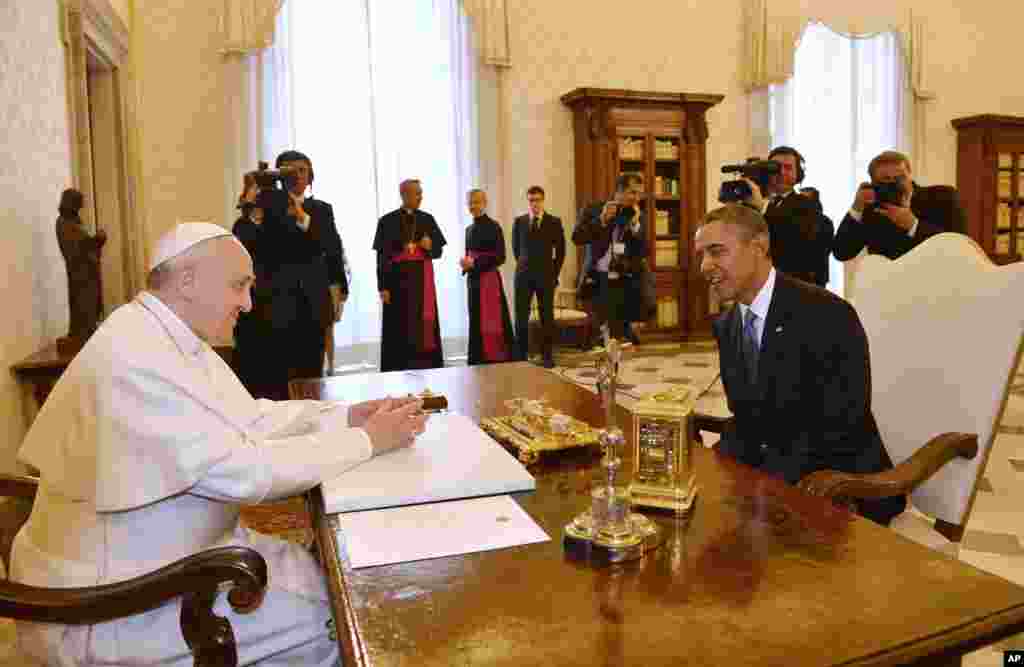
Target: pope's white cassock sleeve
145, 449
305, 445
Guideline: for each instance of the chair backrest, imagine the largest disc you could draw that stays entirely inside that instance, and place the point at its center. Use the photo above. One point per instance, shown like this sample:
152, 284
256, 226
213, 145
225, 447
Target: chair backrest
944, 329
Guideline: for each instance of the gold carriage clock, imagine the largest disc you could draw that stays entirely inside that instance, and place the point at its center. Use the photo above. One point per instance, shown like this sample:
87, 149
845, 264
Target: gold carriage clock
663, 474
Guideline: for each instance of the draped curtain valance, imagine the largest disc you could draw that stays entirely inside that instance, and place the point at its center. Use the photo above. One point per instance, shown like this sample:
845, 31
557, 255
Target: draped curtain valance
248, 26
491, 30
772, 30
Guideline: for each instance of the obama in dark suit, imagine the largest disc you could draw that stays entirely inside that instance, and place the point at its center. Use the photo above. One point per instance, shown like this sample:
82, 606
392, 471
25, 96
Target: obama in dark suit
794, 361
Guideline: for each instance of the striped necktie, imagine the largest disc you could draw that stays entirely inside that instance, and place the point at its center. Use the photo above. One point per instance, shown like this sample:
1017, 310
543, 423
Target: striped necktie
750, 348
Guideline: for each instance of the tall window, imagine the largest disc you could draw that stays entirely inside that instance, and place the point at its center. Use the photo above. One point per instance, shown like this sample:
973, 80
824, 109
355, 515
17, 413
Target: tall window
381, 91
845, 104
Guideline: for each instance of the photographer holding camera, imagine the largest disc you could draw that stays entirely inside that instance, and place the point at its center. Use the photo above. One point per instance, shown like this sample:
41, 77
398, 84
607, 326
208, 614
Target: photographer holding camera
613, 269
304, 261
797, 244
892, 214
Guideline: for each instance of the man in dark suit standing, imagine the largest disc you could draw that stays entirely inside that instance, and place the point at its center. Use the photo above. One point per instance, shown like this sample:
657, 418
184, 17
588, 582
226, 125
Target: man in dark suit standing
794, 362
613, 235
792, 218
538, 243
892, 228
826, 233
304, 263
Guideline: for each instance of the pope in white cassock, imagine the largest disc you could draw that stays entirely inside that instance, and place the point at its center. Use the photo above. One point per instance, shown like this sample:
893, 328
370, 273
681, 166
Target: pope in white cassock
149, 443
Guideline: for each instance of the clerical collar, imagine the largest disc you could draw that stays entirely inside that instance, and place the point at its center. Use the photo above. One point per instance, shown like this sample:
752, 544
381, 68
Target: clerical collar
187, 341
408, 211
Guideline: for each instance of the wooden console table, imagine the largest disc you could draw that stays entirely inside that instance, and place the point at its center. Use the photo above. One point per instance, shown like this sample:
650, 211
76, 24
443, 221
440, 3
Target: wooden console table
41, 370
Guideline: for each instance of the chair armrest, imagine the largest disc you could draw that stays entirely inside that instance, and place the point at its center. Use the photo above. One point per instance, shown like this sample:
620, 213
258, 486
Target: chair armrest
19, 486
898, 481
710, 423
197, 578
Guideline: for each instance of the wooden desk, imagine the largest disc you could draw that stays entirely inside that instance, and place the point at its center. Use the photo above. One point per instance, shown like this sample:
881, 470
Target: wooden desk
759, 575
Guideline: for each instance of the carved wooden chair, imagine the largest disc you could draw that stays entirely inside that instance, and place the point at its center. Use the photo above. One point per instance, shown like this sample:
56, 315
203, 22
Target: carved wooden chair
197, 579
945, 336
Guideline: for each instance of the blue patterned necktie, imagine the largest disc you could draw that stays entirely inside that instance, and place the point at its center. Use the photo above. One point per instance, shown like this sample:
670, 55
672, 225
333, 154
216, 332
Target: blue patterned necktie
751, 349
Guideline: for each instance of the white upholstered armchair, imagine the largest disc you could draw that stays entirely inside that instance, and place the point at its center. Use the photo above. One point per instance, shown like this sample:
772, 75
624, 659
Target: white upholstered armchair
944, 329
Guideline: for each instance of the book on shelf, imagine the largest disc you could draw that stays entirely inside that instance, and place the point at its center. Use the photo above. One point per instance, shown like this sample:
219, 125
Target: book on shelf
666, 149
631, 149
666, 252
666, 187
661, 223
668, 313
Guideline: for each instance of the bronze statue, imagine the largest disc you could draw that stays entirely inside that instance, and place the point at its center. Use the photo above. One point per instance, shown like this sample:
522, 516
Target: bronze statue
82, 257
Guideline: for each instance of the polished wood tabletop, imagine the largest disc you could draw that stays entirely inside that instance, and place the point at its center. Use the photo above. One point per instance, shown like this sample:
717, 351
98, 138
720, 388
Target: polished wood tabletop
758, 574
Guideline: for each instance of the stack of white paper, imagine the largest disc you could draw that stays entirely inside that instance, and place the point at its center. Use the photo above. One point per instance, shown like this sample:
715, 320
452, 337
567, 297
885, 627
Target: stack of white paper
452, 459
403, 534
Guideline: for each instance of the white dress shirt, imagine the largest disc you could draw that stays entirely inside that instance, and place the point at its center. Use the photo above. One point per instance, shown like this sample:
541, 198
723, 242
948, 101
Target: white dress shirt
760, 305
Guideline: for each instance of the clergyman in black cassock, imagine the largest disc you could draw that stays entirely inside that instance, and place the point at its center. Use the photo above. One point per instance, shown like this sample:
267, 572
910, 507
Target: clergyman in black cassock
407, 242
490, 326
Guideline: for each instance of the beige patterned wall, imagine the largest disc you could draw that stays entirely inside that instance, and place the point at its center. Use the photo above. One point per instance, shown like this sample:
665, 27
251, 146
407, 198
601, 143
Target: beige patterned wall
35, 167
182, 113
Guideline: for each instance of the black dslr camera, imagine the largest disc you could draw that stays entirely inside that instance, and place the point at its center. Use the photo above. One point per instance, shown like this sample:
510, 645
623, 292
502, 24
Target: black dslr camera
759, 171
888, 192
268, 179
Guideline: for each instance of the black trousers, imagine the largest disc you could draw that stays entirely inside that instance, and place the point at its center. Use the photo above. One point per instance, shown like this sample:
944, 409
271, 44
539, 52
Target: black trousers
610, 305
526, 285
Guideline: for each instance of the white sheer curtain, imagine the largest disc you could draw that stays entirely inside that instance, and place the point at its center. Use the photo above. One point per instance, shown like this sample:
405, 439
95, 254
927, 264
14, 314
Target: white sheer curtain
384, 91
259, 116
847, 101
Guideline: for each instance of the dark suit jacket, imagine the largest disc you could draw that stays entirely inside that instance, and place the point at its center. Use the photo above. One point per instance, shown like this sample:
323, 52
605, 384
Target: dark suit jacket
826, 235
937, 209
590, 233
793, 223
539, 254
811, 407
301, 262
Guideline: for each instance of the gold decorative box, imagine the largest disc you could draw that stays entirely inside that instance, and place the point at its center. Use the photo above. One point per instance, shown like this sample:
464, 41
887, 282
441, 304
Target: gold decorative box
533, 427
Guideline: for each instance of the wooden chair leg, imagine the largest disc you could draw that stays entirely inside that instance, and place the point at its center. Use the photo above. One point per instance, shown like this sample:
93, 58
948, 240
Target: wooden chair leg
208, 636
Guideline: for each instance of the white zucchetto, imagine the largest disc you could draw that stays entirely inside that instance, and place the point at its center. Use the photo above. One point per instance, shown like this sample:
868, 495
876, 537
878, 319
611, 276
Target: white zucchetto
181, 237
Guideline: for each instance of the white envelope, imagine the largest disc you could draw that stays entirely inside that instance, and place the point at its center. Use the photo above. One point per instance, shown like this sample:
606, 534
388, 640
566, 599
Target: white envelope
403, 534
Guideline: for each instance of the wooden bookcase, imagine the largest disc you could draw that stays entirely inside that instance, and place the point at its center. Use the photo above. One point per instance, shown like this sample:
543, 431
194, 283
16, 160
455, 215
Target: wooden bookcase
661, 136
990, 178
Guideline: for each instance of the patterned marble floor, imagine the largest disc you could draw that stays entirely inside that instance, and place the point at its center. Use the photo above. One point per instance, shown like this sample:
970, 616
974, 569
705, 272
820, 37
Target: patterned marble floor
994, 540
